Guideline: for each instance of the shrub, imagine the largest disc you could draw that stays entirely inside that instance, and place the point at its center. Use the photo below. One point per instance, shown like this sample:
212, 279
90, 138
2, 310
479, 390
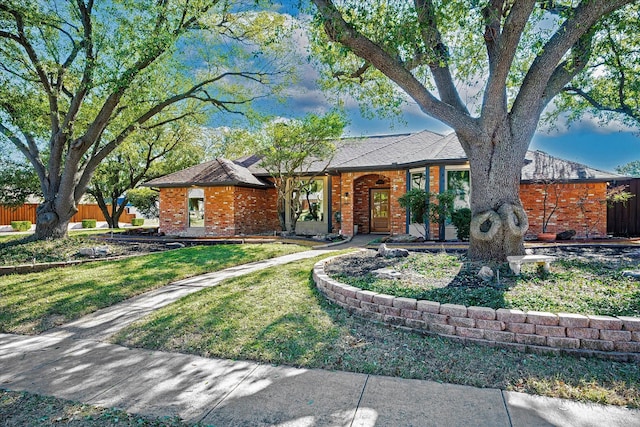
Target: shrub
89, 223
461, 219
21, 225
137, 221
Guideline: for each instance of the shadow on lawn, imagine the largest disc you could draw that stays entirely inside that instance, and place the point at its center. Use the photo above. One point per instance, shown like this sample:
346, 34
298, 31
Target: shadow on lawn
370, 347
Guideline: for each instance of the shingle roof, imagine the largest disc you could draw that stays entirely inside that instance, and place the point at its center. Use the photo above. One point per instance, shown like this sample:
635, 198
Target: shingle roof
540, 166
213, 173
382, 152
379, 153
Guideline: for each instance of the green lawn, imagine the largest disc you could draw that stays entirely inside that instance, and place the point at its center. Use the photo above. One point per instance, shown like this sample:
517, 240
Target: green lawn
277, 316
572, 286
32, 303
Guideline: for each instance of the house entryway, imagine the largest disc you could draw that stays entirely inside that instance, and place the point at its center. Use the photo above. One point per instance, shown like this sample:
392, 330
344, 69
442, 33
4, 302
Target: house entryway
379, 208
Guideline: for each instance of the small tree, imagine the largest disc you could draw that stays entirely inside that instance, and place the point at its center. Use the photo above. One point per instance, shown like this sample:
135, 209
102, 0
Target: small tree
428, 207
144, 156
461, 219
547, 209
294, 153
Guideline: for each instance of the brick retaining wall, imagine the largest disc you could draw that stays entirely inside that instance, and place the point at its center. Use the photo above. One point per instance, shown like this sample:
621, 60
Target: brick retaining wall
604, 336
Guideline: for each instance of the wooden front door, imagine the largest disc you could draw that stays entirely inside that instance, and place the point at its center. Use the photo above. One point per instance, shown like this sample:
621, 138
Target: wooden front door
380, 218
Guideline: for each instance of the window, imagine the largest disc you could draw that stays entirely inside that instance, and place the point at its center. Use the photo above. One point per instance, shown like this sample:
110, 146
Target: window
196, 207
311, 200
418, 180
458, 182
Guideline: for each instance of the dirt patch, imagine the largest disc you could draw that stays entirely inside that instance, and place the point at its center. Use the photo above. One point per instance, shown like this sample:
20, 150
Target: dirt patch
361, 265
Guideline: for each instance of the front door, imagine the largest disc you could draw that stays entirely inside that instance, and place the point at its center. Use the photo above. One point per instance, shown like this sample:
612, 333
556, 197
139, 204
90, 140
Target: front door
380, 210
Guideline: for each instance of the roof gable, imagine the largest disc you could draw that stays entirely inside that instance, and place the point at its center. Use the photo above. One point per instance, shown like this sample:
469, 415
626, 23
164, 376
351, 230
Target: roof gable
216, 172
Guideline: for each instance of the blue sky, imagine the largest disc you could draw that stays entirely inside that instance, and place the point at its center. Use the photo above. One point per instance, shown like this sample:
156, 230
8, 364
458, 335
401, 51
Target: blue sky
584, 142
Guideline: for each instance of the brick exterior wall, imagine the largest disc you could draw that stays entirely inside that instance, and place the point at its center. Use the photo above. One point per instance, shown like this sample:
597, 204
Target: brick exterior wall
614, 337
228, 211
173, 210
236, 210
255, 211
581, 207
219, 211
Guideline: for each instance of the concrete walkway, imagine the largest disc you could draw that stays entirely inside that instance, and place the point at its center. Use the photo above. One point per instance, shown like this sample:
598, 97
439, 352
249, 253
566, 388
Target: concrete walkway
74, 362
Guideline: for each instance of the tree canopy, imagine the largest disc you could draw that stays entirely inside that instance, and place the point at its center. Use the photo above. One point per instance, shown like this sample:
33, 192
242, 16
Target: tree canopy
631, 169
486, 68
609, 87
77, 78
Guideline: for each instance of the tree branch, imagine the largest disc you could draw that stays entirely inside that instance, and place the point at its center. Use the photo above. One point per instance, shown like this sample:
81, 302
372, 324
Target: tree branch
502, 44
438, 57
340, 31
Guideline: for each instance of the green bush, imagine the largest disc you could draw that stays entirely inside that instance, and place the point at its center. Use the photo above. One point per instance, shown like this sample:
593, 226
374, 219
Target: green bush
461, 219
21, 225
137, 221
89, 223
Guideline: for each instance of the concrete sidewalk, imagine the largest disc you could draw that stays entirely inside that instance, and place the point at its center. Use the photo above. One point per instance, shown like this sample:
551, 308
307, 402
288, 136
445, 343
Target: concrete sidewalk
230, 393
74, 362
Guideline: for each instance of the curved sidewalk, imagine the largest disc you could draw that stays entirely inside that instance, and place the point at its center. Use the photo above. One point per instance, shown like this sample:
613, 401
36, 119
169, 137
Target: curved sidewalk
74, 362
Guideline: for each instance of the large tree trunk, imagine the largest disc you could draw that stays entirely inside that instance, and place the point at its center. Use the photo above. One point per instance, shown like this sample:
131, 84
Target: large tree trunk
499, 221
52, 221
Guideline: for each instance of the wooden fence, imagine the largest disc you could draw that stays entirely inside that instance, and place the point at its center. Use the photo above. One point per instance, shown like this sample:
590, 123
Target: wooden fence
27, 212
623, 220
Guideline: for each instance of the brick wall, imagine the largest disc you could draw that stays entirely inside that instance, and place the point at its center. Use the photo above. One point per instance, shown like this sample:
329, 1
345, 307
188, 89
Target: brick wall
617, 337
236, 210
173, 210
581, 207
228, 211
355, 207
219, 211
255, 211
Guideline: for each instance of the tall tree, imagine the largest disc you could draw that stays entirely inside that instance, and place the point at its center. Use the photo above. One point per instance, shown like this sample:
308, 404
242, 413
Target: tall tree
524, 52
79, 77
141, 157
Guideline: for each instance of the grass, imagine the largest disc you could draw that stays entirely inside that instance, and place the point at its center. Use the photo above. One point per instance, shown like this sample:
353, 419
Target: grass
32, 303
28, 409
573, 286
277, 316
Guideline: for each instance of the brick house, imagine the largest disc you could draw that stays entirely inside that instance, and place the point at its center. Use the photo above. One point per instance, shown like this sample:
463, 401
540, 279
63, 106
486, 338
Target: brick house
359, 190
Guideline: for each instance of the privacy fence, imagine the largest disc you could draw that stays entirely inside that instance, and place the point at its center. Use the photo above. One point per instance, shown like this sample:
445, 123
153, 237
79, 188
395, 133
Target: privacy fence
27, 212
623, 219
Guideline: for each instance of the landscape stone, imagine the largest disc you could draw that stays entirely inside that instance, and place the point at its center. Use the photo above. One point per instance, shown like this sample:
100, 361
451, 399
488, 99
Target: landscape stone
566, 235
392, 252
175, 245
387, 273
634, 274
486, 274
